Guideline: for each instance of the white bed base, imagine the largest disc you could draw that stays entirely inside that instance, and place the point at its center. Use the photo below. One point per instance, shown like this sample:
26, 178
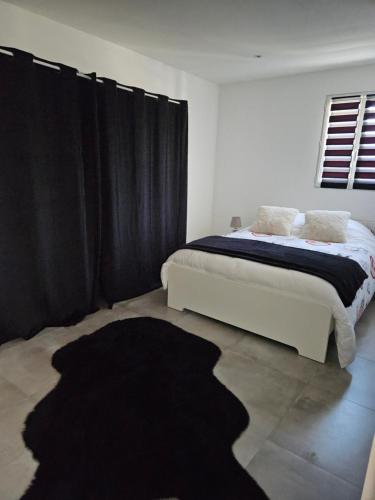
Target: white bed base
278, 315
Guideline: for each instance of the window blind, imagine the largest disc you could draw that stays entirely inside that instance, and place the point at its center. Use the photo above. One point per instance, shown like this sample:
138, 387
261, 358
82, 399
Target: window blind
347, 148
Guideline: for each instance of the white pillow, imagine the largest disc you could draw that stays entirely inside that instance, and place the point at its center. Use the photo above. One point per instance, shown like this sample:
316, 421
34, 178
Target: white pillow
274, 220
326, 225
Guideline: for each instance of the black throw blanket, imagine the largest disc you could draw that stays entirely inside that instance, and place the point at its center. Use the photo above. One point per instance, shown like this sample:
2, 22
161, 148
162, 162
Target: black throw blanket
345, 274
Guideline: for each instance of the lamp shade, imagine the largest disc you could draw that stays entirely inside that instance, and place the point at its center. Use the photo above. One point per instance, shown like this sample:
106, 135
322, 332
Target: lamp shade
235, 223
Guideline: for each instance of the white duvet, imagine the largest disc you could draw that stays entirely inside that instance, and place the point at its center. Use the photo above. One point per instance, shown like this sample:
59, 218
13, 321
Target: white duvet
360, 246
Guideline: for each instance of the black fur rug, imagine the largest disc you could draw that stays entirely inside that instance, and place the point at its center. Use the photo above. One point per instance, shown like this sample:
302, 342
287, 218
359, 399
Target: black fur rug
138, 415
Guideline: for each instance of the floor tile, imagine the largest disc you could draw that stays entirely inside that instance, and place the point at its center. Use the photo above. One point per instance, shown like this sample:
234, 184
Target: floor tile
285, 476
11, 426
54, 339
93, 322
29, 368
256, 384
365, 333
154, 304
355, 382
10, 394
10, 345
277, 355
329, 431
16, 476
125, 313
253, 438
48, 338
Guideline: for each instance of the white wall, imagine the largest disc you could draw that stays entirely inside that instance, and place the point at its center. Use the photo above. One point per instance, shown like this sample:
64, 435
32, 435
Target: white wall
57, 42
268, 142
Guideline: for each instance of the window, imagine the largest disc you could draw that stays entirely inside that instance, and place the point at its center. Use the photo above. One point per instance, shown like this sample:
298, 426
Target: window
347, 146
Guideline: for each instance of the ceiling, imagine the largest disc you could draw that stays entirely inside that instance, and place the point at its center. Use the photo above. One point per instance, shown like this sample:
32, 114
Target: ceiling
218, 39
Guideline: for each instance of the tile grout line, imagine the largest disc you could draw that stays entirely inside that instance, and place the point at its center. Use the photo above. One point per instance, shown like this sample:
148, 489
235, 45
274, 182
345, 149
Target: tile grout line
366, 359
358, 404
313, 464
266, 439
270, 437
268, 365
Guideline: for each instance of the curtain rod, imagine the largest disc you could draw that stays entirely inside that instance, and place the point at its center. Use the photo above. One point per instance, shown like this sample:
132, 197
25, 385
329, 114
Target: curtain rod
83, 75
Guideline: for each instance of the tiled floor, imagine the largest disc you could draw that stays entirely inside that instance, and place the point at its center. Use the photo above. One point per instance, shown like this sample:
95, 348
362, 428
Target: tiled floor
311, 424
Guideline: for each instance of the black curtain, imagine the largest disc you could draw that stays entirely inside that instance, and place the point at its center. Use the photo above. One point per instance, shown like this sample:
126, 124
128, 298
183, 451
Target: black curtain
143, 145
93, 192
49, 196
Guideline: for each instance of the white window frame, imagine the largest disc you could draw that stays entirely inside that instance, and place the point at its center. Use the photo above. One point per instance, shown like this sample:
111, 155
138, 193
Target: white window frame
357, 135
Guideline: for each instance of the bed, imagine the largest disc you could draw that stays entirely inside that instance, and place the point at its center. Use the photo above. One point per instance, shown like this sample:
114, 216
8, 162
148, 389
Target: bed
289, 306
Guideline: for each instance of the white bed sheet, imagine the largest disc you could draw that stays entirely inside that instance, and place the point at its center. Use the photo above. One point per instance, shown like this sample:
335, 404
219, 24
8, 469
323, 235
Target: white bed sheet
359, 247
